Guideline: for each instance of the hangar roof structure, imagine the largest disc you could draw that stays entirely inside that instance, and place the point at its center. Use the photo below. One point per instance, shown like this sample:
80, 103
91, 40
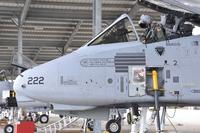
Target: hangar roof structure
52, 28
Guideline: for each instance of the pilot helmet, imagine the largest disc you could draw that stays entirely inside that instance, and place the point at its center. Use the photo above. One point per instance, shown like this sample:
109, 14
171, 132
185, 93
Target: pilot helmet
145, 20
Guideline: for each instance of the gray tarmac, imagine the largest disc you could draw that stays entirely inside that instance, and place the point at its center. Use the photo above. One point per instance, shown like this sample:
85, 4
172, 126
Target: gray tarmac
184, 121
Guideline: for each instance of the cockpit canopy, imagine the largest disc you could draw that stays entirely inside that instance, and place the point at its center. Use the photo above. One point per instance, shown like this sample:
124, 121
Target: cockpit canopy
123, 30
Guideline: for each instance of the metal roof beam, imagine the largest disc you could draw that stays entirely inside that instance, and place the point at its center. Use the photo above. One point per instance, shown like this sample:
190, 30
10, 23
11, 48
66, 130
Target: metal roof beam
15, 21
97, 17
24, 12
119, 2
66, 46
75, 8
19, 48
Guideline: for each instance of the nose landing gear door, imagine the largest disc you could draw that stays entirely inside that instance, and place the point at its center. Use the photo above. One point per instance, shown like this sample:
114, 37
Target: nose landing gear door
136, 81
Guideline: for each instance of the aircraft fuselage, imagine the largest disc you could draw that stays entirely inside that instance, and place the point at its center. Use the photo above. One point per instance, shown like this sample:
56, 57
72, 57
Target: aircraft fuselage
102, 75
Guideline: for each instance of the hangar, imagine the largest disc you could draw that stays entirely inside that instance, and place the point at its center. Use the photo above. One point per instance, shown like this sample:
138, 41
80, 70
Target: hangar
34, 32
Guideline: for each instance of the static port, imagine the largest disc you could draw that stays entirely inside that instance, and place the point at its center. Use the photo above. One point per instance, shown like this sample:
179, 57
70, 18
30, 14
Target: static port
23, 86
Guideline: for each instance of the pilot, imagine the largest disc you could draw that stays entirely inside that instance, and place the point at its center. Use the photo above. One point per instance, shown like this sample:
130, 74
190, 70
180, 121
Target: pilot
154, 32
145, 23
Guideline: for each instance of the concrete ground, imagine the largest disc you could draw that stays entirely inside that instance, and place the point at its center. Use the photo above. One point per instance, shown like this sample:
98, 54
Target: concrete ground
184, 121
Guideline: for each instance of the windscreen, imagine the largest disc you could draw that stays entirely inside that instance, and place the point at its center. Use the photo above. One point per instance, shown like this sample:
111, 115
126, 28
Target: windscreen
122, 31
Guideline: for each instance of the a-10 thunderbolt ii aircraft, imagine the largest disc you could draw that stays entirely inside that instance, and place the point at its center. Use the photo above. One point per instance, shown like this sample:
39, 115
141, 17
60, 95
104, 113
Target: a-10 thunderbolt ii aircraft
116, 69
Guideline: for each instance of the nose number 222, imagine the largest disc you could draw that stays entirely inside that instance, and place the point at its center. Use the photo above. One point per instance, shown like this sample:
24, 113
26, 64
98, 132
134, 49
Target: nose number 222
35, 80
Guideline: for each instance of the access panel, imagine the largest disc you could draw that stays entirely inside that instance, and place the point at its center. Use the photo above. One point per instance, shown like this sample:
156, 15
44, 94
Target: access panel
137, 81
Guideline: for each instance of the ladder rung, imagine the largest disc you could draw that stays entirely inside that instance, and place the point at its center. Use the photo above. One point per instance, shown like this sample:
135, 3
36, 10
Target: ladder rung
63, 123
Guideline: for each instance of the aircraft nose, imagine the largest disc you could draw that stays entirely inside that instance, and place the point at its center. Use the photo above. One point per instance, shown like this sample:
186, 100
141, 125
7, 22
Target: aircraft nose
19, 85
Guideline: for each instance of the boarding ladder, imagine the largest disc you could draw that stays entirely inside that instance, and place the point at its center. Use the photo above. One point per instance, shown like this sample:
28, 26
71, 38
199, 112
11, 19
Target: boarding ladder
59, 125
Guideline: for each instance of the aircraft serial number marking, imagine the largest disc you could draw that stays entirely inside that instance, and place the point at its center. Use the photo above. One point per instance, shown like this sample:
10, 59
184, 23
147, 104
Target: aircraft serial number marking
35, 80
97, 62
